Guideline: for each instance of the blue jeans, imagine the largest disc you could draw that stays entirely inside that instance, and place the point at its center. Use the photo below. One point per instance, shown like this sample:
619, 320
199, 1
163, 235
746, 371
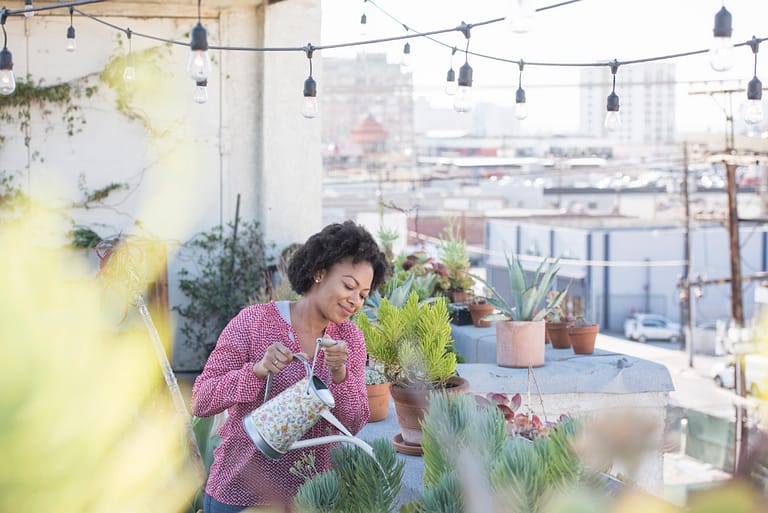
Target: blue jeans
211, 505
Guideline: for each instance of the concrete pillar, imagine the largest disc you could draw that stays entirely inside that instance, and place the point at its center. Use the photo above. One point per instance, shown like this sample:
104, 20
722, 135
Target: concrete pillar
288, 170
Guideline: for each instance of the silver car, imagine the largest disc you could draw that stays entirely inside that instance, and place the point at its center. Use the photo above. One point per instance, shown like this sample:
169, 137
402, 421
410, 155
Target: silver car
643, 327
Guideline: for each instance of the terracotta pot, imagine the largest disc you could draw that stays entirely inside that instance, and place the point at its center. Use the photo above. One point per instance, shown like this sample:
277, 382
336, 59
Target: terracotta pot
479, 310
378, 401
410, 405
557, 334
583, 338
520, 344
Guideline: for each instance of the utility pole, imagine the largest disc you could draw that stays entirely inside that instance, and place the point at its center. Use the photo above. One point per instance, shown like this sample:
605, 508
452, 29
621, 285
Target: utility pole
741, 429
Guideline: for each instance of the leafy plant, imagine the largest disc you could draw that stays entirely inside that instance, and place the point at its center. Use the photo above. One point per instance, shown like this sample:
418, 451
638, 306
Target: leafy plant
516, 423
467, 452
413, 342
374, 376
455, 260
356, 482
529, 297
230, 267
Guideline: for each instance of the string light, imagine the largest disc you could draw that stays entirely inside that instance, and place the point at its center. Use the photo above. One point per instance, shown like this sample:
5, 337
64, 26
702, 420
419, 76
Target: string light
129, 73
201, 91
199, 65
722, 31
721, 54
405, 61
450, 80
464, 101
520, 15
521, 108
309, 107
612, 119
754, 114
364, 19
7, 81
28, 9
71, 44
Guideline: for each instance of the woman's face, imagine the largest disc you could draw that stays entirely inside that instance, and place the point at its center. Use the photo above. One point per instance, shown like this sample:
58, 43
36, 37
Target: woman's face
342, 289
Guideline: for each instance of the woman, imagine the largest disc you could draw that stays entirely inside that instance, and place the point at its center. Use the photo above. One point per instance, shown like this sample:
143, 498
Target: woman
334, 272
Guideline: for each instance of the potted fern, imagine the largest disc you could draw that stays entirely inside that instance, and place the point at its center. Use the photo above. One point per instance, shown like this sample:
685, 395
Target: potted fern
412, 343
520, 334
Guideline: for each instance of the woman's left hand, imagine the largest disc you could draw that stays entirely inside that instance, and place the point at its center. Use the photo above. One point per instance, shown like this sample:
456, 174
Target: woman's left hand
336, 357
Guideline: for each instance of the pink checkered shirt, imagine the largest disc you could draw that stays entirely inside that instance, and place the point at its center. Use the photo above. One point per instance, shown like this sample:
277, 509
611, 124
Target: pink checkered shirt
240, 474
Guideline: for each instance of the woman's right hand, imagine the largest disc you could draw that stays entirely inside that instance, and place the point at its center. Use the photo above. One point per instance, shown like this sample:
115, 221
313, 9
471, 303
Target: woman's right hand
276, 357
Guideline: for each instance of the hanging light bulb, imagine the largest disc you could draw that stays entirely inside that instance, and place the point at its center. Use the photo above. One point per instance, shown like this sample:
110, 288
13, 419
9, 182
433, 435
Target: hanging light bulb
464, 101
364, 20
28, 12
7, 81
199, 65
521, 108
309, 108
71, 43
721, 53
129, 73
201, 91
450, 83
451, 87
519, 17
612, 119
405, 61
754, 113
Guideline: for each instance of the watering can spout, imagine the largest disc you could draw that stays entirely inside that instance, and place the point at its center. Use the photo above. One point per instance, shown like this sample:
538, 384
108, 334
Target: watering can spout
301, 444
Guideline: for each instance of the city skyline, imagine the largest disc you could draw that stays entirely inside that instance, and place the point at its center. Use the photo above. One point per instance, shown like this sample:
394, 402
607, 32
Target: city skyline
600, 35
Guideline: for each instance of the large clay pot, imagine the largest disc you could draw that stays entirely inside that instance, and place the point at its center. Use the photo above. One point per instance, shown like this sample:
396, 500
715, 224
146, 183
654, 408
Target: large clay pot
583, 338
378, 401
410, 405
479, 310
520, 344
557, 334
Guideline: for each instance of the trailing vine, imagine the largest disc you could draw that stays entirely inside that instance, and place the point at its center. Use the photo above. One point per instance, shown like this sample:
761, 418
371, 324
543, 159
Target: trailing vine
17, 107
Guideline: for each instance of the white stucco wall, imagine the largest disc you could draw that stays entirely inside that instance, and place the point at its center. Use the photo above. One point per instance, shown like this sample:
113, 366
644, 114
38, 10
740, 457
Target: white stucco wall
183, 163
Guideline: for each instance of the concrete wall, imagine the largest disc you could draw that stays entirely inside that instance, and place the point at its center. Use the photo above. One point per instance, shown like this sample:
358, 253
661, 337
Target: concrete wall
182, 164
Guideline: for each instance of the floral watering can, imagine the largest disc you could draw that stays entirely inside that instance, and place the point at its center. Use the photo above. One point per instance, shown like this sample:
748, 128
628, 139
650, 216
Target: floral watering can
277, 425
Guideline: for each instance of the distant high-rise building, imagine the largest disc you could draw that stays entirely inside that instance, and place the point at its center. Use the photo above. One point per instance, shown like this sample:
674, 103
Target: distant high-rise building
367, 85
647, 98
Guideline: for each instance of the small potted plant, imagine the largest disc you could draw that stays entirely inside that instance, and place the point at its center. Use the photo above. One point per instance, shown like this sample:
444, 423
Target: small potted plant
583, 335
479, 308
557, 324
520, 328
413, 345
453, 268
378, 393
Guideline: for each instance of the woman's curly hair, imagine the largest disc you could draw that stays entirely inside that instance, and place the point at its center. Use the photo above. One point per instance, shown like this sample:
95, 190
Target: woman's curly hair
332, 244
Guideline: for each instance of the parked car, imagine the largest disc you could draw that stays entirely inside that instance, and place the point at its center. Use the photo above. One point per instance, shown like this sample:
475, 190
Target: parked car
646, 326
755, 374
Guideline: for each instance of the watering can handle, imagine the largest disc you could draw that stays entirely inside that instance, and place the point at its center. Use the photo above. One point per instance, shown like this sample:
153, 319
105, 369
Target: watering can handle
268, 387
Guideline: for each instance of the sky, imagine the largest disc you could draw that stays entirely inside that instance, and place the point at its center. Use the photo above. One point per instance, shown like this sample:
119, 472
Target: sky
588, 31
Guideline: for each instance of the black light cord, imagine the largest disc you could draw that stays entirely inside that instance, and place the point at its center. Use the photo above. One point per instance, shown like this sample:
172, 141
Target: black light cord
412, 34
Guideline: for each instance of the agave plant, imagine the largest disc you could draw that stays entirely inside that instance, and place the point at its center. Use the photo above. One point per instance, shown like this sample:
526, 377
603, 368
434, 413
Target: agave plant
530, 301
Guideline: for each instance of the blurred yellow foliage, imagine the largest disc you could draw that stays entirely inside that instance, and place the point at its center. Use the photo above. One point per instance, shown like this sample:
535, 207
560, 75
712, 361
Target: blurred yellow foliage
86, 425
